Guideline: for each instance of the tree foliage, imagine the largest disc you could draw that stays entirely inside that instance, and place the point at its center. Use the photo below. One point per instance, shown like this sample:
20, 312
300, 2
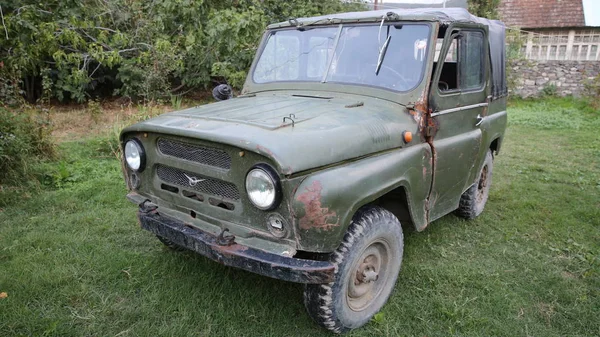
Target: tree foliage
74, 49
484, 8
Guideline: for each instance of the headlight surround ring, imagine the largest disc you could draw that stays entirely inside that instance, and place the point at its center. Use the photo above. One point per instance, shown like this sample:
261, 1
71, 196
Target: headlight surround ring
135, 155
268, 176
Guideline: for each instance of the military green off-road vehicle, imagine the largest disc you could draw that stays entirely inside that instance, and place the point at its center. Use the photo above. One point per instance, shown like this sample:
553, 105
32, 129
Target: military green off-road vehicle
348, 126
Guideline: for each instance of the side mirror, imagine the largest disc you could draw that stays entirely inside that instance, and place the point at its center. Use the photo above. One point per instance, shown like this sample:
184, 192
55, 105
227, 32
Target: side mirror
222, 92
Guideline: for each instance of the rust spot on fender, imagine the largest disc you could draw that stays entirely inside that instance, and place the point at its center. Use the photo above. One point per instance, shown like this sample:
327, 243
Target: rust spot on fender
264, 150
315, 215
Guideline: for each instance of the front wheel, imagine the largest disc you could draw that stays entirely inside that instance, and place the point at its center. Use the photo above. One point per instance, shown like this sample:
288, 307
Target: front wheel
367, 265
474, 199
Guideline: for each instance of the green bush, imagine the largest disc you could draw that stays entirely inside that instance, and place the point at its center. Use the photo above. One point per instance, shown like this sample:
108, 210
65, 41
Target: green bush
592, 91
549, 90
10, 94
146, 50
24, 139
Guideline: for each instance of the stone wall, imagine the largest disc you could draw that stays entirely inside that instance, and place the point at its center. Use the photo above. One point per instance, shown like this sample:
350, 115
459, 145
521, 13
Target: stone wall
568, 77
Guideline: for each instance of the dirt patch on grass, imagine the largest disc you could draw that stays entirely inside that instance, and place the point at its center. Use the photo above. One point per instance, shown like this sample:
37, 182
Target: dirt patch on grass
547, 311
71, 122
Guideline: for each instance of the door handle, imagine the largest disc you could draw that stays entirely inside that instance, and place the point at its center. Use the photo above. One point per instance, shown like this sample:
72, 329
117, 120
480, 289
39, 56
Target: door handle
479, 120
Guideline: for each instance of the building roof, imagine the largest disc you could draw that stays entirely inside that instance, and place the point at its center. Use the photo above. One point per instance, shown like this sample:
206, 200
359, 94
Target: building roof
542, 13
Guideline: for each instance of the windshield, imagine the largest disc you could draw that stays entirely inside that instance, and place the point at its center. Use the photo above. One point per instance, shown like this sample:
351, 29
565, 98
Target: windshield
347, 54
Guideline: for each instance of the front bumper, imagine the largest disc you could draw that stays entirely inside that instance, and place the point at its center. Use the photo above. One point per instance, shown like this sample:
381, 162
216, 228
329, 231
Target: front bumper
235, 255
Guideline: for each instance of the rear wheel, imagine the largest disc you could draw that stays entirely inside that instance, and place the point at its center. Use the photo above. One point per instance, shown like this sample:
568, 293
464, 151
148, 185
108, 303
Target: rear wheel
474, 199
367, 265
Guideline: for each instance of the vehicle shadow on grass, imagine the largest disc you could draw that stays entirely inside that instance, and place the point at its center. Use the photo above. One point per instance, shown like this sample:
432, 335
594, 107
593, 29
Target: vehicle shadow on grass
231, 299
236, 300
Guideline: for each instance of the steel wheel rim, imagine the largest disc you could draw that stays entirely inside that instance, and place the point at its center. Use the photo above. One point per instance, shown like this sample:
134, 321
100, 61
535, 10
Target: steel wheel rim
369, 275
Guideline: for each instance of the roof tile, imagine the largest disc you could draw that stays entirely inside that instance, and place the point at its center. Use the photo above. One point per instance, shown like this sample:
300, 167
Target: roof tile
542, 13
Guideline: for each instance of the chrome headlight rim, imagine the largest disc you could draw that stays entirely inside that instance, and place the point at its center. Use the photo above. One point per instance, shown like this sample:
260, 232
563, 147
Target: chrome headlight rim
274, 177
141, 151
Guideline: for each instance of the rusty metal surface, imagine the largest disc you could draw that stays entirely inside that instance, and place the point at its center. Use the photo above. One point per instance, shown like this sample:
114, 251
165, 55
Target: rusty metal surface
238, 256
316, 216
333, 154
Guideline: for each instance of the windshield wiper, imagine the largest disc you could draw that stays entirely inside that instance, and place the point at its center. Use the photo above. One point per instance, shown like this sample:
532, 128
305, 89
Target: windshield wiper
382, 54
383, 48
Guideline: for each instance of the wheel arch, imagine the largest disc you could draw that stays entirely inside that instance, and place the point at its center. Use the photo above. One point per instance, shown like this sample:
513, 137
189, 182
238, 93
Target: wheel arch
325, 202
397, 201
495, 145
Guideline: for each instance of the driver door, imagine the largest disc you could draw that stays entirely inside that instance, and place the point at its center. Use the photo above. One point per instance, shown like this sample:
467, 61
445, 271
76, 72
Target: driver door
458, 98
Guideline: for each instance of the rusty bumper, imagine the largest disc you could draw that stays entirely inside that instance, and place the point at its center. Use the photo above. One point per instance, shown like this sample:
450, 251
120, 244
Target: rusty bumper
238, 256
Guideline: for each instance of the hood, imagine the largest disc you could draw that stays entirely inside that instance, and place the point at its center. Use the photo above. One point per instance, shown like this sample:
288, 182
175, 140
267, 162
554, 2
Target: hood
296, 132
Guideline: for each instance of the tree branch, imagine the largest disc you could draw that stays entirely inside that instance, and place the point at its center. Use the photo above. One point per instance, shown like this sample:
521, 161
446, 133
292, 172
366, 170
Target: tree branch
93, 39
126, 50
178, 87
93, 72
107, 29
3, 24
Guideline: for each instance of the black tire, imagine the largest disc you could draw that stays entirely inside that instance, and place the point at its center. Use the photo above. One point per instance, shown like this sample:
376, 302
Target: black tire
170, 244
338, 306
474, 199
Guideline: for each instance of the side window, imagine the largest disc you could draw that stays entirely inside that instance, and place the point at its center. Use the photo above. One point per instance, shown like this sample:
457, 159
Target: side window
471, 60
463, 67
452, 55
449, 76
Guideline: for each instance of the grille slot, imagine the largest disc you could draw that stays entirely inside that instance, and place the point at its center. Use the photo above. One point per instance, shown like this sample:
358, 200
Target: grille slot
208, 185
195, 153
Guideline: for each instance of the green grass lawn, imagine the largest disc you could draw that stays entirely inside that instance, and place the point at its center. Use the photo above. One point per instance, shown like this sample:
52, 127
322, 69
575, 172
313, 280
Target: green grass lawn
73, 261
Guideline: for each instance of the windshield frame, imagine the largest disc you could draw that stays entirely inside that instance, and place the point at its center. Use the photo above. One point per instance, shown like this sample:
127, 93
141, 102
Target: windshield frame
252, 86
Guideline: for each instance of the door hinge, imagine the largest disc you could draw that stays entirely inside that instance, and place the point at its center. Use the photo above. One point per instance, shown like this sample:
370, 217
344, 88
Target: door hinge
429, 131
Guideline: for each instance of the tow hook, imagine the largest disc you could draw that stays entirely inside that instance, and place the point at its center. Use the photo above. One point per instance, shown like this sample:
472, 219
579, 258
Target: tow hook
148, 207
225, 240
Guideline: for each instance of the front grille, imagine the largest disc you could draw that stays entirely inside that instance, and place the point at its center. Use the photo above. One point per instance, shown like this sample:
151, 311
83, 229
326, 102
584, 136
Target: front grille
208, 185
198, 154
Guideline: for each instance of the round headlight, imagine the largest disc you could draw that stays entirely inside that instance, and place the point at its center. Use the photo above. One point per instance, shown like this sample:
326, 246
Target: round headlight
134, 155
263, 188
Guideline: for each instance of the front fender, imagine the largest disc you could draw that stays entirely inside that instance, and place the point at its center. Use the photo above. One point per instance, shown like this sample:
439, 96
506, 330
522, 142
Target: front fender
324, 203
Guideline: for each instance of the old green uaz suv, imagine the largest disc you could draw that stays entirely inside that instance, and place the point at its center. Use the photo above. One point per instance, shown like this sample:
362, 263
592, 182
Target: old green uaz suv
348, 126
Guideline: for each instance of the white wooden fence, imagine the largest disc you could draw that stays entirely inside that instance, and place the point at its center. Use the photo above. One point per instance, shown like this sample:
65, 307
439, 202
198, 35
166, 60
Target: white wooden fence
568, 45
